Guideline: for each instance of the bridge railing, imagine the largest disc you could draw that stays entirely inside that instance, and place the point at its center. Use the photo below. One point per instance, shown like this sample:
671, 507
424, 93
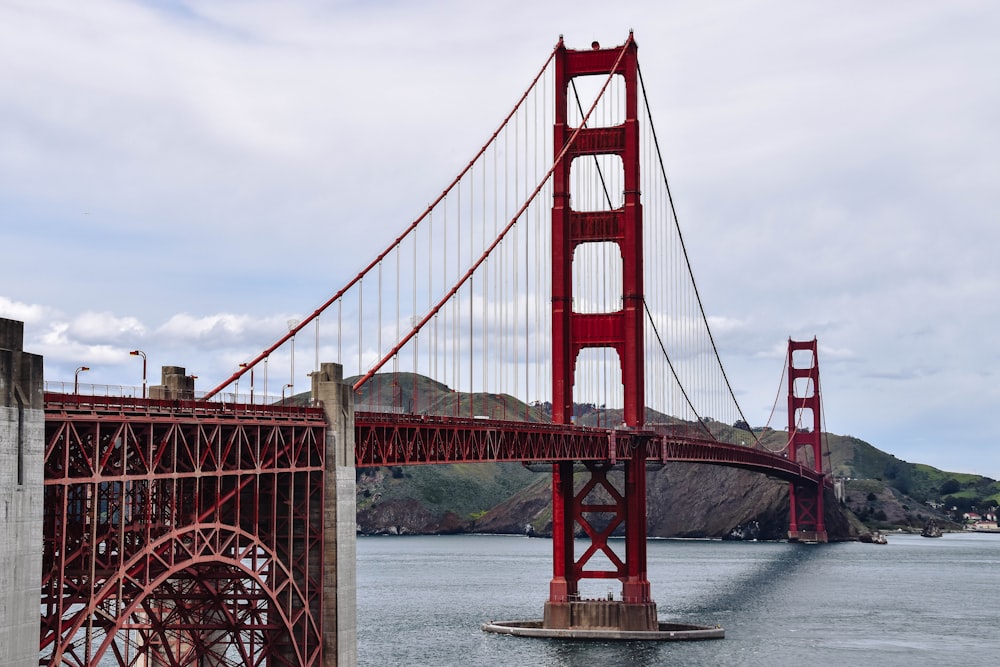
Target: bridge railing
124, 395
81, 402
88, 389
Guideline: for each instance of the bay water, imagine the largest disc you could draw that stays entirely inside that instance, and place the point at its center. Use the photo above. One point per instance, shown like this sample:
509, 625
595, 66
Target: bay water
915, 601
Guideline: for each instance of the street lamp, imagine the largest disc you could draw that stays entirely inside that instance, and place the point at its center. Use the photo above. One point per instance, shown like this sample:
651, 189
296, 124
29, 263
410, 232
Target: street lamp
140, 353
244, 365
283, 392
291, 328
76, 378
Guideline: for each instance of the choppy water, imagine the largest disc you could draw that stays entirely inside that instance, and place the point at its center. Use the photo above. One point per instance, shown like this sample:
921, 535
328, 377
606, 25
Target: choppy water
915, 601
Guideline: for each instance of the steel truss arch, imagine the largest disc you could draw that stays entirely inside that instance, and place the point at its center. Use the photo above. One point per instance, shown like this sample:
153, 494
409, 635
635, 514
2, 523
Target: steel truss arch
173, 521
201, 544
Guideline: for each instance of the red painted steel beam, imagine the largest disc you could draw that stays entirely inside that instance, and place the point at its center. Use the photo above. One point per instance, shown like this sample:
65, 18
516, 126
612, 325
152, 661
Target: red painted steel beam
205, 512
385, 439
137, 491
806, 513
621, 330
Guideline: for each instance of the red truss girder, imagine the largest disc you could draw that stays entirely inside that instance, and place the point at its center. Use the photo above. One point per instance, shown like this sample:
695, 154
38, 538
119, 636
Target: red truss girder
198, 527
736, 456
384, 439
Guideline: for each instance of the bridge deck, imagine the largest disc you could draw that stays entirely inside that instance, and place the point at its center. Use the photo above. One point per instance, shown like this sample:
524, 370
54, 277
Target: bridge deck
384, 439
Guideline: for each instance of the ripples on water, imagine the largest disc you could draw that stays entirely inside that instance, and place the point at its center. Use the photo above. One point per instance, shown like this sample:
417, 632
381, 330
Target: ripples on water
915, 601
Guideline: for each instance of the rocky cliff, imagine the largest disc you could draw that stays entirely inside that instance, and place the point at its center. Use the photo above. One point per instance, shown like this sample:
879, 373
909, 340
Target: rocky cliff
684, 500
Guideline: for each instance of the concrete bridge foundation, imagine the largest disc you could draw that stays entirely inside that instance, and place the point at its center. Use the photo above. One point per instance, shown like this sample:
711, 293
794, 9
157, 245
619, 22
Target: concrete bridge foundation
340, 628
22, 444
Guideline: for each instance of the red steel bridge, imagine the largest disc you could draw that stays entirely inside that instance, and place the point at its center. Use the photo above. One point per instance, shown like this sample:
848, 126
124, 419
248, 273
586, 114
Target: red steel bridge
550, 273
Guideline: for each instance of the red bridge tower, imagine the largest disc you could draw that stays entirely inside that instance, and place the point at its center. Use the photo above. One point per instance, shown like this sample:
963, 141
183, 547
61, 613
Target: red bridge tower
805, 513
621, 330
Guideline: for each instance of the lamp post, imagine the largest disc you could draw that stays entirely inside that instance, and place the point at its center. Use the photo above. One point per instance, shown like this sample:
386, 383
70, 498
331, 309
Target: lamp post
244, 365
291, 327
283, 392
140, 353
76, 378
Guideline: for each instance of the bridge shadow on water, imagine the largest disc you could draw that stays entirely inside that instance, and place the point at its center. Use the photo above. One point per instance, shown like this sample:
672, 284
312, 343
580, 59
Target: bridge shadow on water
744, 574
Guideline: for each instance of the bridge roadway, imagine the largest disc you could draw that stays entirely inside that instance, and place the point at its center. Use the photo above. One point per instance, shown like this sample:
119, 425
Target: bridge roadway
391, 439
140, 493
386, 439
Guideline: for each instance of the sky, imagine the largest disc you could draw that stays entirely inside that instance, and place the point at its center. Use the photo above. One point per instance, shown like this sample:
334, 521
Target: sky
185, 177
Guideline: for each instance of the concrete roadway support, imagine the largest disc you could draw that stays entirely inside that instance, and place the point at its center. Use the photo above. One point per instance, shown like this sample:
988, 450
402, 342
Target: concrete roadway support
22, 444
177, 384
340, 628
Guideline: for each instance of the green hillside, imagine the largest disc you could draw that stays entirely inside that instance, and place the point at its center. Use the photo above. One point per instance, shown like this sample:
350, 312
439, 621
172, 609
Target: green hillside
857, 459
882, 490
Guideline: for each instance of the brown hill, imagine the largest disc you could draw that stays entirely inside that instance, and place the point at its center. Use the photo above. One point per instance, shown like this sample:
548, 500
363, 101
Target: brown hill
684, 500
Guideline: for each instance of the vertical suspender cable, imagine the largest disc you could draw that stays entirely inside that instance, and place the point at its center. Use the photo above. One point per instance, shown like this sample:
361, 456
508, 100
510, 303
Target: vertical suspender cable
361, 292
472, 291
378, 302
413, 310
486, 289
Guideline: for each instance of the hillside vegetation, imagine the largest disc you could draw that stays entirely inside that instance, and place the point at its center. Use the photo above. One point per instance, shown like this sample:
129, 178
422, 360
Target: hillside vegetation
692, 500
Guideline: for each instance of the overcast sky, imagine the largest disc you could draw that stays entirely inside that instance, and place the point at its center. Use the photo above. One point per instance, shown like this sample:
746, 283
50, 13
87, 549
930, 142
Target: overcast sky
185, 177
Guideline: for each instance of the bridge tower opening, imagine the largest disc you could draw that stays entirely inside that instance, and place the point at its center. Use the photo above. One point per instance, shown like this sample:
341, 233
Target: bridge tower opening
805, 513
577, 219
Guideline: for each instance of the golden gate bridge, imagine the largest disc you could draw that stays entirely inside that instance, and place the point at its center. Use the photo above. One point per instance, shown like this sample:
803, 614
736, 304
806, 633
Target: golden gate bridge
550, 271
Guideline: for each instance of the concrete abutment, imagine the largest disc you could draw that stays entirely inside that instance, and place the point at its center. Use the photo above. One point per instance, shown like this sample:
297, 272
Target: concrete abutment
340, 629
22, 451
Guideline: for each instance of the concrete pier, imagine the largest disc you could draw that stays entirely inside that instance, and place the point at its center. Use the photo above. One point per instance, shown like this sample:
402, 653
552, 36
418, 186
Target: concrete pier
665, 632
340, 622
22, 452
601, 615
175, 384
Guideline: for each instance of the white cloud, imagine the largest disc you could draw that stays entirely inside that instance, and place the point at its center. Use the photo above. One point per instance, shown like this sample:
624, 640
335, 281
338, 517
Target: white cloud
219, 329
106, 326
28, 313
177, 177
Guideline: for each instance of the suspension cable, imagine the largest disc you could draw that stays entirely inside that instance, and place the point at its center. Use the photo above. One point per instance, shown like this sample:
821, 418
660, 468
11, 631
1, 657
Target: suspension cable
340, 293
503, 233
687, 260
673, 371
774, 407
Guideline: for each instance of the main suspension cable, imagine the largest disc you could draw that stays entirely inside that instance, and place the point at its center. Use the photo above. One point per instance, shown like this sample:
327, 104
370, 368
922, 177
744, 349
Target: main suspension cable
687, 260
375, 262
503, 233
673, 371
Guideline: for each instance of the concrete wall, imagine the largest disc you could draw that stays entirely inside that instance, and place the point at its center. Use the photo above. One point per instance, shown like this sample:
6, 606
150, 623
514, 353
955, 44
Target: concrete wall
22, 450
340, 621
176, 384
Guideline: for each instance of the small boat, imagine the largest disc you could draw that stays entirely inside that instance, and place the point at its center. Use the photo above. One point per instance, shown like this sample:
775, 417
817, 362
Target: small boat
931, 529
873, 538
